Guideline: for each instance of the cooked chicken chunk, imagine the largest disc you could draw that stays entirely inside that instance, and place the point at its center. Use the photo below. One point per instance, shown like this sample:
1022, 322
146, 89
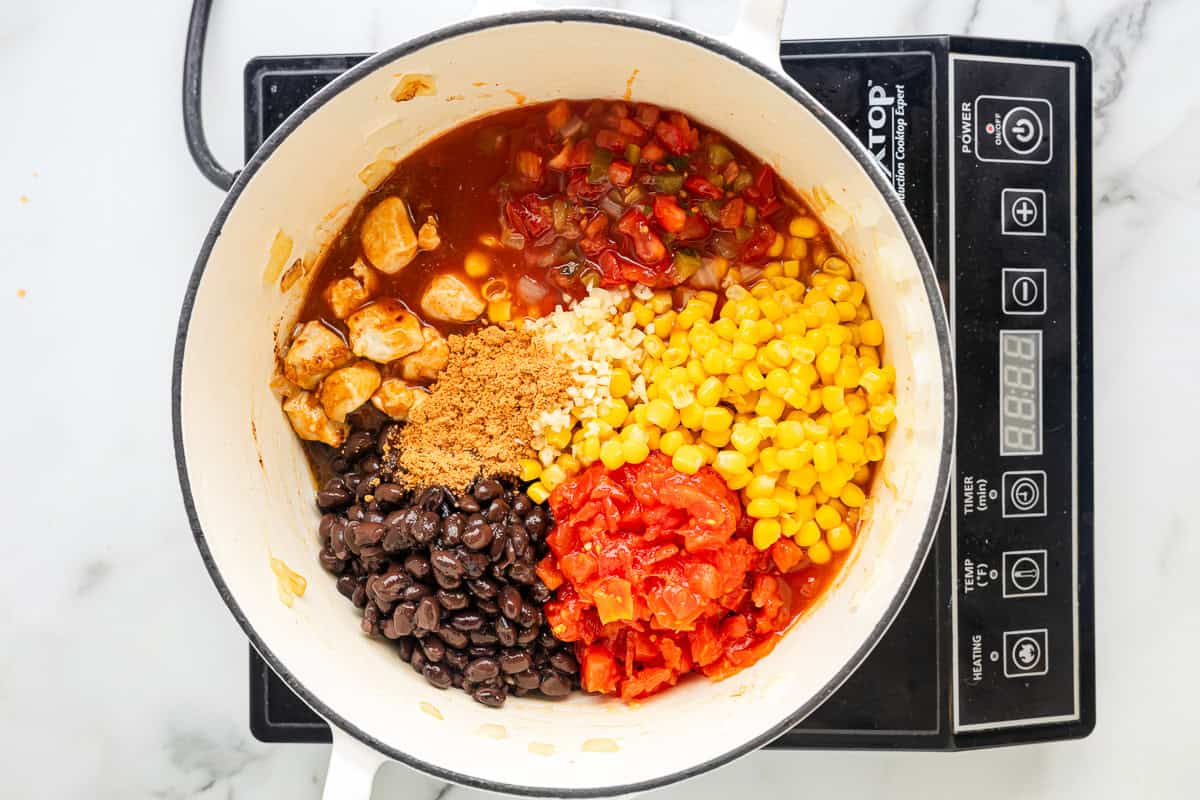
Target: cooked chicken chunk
397, 399
345, 389
388, 239
347, 294
426, 363
451, 299
315, 352
384, 331
310, 422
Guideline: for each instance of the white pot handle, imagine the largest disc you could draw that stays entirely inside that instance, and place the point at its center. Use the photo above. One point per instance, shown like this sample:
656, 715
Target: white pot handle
758, 30
352, 768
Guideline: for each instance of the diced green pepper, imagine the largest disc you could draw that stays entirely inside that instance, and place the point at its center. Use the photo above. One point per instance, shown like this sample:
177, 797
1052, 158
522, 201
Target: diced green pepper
711, 209
633, 153
680, 163
719, 155
741, 233
668, 182
598, 171
742, 181
687, 262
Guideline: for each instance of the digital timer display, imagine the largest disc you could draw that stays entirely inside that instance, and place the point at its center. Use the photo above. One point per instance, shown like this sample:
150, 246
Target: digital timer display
1020, 393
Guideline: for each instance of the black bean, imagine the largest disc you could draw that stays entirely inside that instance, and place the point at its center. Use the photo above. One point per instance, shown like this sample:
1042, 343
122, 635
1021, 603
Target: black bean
496, 512
418, 660
325, 526
482, 587
373, 558
356, 513
397, 540
433, 648
483, 638
438, 675
555, 684
474, 564
389, 628
452, 529
514, 661
499, 539
346, 586
447, 581
370, 619
458, 680
482, 669
526, 635
467, 620
337, 542
415, 592
518, 537
488, 607
564, 662
506, 632
521, 504
528, 680
452, 600
490, 696
536, 521
334, 495
428, 526
487, 489
469, 504
374, 514
456, 659
356, 444
339, 464
548, 641
539, 593
523, 572
370, 464
352, 480
510, 602
366, 486
404, 647
359, 598
445, 561
366, 533
404, 618
477, 536
429, 614
389, 493
453, 636
417, 565
331, 562
530, 617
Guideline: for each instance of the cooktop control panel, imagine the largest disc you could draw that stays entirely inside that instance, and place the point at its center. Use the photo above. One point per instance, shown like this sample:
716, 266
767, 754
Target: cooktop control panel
1013, 214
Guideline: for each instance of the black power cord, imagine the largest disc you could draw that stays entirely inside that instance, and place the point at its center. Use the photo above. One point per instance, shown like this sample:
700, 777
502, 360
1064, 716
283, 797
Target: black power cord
193, 119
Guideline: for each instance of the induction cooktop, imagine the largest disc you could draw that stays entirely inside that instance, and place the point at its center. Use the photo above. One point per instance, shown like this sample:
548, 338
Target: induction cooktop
988, 143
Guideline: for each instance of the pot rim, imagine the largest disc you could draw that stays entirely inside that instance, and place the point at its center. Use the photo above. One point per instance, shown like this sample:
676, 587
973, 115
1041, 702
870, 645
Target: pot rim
739, 57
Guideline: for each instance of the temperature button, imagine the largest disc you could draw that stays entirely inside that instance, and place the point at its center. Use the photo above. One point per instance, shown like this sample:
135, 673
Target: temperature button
1013, 129
1024, 573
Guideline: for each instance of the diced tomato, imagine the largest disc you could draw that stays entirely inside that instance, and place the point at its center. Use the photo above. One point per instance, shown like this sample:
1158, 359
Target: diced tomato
620, 173
599, 670
558, 115
759, 242
614, 600
764, 183
548, 572
732, 213
530, 215
647, 115
702, 186
648, 247
668, 213
611, 140
596, 226
631, 130
581, 153
578, 568
694, 229
677, 134
529, 164
580, 188
654, 152
617, 270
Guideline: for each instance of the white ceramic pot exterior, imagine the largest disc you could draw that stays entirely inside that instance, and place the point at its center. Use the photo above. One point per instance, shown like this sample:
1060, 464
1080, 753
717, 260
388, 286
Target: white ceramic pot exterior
250, 491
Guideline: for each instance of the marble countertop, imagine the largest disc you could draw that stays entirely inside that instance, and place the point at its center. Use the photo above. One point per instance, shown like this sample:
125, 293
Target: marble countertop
121, 673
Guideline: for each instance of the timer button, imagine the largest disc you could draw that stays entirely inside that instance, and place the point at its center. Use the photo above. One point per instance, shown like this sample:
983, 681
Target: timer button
1023, 494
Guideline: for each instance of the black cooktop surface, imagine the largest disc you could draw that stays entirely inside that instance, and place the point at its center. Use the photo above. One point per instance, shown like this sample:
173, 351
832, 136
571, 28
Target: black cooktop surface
988, 144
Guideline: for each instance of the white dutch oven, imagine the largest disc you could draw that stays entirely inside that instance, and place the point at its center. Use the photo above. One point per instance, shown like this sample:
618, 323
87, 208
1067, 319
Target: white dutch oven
249, 492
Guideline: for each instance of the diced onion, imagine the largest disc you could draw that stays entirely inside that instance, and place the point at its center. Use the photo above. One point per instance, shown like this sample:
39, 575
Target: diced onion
611, 207
530, 292
495, 289
512, 239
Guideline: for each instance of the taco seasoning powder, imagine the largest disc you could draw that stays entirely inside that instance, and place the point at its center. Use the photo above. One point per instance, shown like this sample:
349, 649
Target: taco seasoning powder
478, 418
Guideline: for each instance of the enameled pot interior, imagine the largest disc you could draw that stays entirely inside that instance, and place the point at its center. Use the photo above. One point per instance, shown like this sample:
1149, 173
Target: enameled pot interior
252, 490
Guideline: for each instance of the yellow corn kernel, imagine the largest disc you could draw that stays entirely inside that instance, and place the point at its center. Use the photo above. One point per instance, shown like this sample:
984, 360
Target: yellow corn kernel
806, 507
715, 362
850, 450
882, 415
715, 438
833, 398
745, 438
569, 463
874, 381
612, 454
589, 450
671, 441
716, 419
634, 451
688, 459
691, 416
553, 475
620, 384
725, 328
761, 290
768, 460
778, 381
795, 249
738, 481
762, 508
661, 413
837, 266
654, 348
707, 451
530, 469
842, 418
730, 462
754, 377
853, 495
819, 553
736, 384
809, 534
760, 486
790, 458
764, 330
613, 411
827, 517
769, 405
635, 433
856, 403
477, 264
743, 350
790, 525
871, 333
862, 475
805, 227
500, 310
537, 492
661, 301
839, 538
643, 315
558, 438
803, 479
828, 361
674, 356
786, 499
791, 267
709, 392
847, 375
766, 533
824, 456
776, 246
789, 433
815, 431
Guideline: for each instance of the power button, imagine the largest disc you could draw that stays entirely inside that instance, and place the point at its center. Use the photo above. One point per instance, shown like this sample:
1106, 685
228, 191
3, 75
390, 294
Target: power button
1013, 129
